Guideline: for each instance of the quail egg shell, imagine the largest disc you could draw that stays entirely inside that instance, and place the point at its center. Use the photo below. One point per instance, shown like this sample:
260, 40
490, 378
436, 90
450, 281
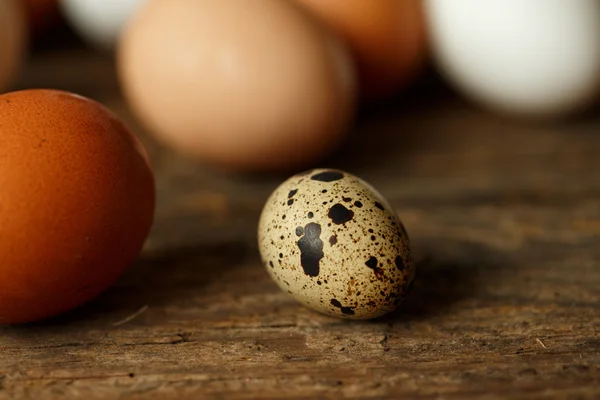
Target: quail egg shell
331, 241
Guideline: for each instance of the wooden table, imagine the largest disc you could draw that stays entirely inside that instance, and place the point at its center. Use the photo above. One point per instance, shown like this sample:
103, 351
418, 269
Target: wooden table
505, 222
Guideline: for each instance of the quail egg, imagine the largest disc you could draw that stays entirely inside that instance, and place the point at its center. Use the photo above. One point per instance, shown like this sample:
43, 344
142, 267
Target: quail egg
331, 241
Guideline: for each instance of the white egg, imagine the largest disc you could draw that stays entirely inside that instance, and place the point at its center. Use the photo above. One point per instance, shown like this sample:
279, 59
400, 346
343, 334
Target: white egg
332, 242
99, 22
538, 58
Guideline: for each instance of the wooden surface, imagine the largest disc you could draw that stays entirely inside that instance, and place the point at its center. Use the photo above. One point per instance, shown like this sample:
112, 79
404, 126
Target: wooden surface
505, 223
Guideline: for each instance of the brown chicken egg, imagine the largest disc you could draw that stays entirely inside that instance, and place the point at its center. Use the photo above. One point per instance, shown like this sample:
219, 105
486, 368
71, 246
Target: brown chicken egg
76, 205
13, 41
243, 85
387, 38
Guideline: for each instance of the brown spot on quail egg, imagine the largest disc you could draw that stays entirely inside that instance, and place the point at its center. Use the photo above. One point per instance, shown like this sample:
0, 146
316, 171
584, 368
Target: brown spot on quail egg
341, 250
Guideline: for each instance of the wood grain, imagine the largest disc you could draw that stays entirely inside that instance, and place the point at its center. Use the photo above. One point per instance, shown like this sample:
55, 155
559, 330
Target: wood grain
504, 219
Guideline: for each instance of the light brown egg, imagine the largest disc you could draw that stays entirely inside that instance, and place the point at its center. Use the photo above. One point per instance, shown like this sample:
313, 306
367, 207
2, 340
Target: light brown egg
387, 38
13, 41
76, 204
249, 86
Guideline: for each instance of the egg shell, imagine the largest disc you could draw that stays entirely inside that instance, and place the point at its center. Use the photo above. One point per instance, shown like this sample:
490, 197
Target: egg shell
13, 41
254, 88
99, 22
331, 241
388, 39
76, 204
534, 59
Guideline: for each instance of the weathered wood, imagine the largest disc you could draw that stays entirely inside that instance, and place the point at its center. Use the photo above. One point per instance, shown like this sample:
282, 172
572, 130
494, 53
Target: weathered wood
505, 221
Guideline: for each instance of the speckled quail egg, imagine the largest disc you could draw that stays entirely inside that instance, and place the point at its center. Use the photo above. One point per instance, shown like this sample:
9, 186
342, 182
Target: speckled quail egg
331, 241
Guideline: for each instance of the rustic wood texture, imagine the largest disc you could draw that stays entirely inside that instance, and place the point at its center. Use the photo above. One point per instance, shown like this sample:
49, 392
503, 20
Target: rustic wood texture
505, 223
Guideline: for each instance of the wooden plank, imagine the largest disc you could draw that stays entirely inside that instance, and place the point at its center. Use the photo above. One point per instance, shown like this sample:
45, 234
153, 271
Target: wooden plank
505, 222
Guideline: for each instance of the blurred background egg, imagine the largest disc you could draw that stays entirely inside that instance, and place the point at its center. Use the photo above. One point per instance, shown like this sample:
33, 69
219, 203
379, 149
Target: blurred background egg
243, 85
534, 58
13, 41
76, 205
387, 38
43, 15
99, 22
